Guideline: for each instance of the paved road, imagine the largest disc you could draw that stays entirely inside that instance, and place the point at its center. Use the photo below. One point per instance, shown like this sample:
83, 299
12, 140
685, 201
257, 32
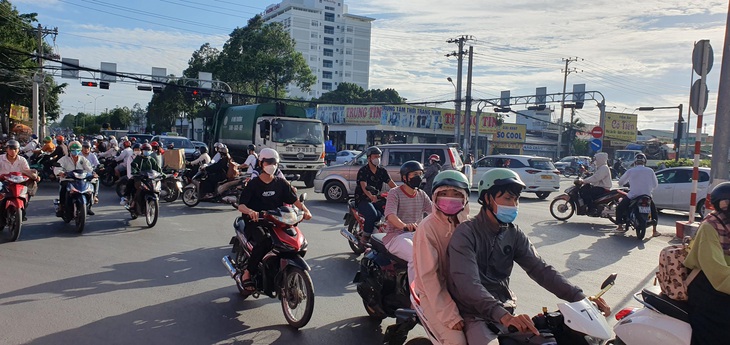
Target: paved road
121, 283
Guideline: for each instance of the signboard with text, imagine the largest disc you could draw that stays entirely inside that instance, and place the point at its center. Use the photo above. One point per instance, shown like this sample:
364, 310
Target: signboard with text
620, 127
510, 133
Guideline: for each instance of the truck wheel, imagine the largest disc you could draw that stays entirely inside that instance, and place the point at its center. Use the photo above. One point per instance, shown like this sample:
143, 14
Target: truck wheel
335, 192
309, 180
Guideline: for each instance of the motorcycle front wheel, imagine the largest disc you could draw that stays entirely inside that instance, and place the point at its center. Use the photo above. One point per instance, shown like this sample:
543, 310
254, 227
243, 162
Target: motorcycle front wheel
152, 212
562, 209
190, 197
80, 217
15, 222
297, 297
107, 180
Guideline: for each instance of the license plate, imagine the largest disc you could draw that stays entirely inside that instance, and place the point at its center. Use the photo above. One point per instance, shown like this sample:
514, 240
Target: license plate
546, 177
644, 209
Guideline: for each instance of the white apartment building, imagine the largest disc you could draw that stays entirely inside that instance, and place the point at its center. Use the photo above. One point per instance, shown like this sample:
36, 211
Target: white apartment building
336, 44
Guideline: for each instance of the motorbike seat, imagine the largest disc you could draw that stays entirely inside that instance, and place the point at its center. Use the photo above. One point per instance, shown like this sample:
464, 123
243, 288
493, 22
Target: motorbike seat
677, 309
376, 240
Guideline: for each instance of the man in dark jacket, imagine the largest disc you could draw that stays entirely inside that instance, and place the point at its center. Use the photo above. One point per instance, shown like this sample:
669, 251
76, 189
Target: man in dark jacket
485, 249
216, 173
431, 171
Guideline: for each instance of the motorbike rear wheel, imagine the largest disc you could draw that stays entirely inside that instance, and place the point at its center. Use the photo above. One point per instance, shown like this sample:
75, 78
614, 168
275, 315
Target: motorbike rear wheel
107, 179
14, 222
80, 216
562, 209
190, 197
612, 211
121, 188
354, 228
639, 224
153, 211
297, 292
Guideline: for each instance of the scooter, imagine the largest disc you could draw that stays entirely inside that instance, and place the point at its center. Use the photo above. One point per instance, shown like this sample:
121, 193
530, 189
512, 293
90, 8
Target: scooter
147, 199
40, 162
639, 216
79, 195
172, 186
661, 321
355, 222
14, 196
566, 205
105, 171
282, 273
227, 192
575, 323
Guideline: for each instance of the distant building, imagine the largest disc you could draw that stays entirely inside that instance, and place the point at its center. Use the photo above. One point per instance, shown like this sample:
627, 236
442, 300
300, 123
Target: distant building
336, 44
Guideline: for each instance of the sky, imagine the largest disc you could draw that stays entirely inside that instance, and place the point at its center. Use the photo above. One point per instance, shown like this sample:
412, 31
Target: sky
635, 53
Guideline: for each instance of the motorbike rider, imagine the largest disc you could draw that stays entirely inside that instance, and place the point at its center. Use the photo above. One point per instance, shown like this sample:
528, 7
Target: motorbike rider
642, 181
597, 184
203, 159
141, 162
429, 264
136, 151
48, 146
373, 175
216, 173
60, 151
31, 146
258, 170
251, 160
709, 292
86, 151
74, 161
404, 209
433, 169
11, 161
216, 148
264, 193
111, 150
125, 156
484, 249
157, 152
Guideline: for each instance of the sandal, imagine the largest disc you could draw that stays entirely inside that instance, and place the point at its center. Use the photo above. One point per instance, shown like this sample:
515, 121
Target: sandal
656, 234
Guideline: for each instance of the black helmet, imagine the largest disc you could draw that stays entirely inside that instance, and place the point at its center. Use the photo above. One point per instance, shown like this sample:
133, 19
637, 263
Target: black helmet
409, 167
136, 146
13, 144
86, 144
719, 193
374, 150
203, 149
640, 158
251, 148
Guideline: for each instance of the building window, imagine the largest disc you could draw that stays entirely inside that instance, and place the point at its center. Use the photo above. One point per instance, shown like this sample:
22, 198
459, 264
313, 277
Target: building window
328, 41
348, 63
326, 75
349, 28
329, 17
329, 30
348, 51
329, 8
327, 63
313, 46
312, 58
328, 52
327, 86
315, 23
348, 74
348, 40
313, 35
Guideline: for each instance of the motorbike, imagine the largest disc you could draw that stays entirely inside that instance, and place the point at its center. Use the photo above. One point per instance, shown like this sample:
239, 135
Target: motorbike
147, 200
566, 205
105, 171
580, 171
282, 273
227, 192
574, 323
355, 222
79, 195
661, 321
639, 215
172, 185
41, 163
14, 195
382, 281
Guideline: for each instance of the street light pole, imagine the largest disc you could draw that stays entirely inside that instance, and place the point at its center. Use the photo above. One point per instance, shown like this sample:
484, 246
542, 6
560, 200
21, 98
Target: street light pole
94, 97
680, 131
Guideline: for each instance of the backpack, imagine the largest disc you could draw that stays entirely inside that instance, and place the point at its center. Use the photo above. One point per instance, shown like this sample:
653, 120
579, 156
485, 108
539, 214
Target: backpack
672, 276
232, 172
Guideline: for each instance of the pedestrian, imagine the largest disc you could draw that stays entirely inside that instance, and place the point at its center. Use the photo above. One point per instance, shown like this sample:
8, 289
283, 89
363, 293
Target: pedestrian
506, 162
433, 169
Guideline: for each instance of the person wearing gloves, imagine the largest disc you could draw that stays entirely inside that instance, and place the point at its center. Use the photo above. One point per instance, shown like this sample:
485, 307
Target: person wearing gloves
429, 263
481, 255
597, 184
74, 161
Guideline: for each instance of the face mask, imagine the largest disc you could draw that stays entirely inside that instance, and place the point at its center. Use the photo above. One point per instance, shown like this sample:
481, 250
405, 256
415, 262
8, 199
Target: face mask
506, 214
450, 206
146, 153
270, 169
375, 161
415, 182
75, 152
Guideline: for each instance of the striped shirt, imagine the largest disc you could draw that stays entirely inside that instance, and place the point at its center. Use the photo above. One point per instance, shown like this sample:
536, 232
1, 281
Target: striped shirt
410, 209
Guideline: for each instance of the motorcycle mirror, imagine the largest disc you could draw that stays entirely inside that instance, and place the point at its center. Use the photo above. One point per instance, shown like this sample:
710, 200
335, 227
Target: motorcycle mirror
609, 281
303, 197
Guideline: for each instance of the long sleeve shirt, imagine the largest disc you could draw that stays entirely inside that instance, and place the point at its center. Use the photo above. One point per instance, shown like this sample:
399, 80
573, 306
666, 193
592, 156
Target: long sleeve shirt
67, 164
92, 159
706, 253
142, 163
109, 153
601, 178
641, 180
203, 159
127, 152
30, 146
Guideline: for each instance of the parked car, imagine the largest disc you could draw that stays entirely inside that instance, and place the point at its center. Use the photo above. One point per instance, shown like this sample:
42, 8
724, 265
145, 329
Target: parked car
140, 138
337, 182
675, 188
180, 143
538, 173
570, 161
345, 156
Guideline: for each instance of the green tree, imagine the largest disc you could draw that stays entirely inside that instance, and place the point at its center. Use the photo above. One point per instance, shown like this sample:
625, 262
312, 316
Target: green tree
205, 59
166, 107
353, 93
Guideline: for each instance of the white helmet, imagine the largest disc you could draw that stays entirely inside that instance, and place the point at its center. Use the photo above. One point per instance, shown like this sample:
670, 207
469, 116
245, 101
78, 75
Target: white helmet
113, 142
217, 145
268, 153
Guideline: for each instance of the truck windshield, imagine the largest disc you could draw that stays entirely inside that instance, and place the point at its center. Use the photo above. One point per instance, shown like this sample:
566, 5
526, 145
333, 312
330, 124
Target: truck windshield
297, 132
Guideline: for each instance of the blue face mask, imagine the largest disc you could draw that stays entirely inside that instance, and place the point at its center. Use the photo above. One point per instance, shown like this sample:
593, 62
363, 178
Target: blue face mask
75, 152
146, 153
506, 214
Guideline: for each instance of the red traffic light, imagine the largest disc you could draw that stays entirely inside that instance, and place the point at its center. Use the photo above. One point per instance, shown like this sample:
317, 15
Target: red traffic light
89, 83
196, 93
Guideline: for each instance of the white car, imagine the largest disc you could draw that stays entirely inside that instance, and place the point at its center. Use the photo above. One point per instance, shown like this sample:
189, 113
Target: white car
538, 173
345, 156
675, 188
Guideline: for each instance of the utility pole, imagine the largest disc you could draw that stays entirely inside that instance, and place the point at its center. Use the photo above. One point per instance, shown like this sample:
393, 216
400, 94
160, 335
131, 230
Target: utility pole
460, 57
467, 131
39, 118
565, 71
721, 142
570, 133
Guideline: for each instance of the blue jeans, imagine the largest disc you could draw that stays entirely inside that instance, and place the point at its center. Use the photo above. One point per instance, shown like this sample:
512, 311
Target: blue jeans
370, 213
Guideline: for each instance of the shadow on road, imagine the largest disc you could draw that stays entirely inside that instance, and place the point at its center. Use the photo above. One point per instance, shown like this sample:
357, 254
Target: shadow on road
327, 273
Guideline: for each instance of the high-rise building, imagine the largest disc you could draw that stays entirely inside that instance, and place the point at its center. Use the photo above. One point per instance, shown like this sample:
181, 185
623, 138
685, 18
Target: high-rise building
336, 44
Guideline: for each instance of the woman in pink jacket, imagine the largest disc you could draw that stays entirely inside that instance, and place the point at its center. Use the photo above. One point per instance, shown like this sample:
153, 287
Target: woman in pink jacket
430, 241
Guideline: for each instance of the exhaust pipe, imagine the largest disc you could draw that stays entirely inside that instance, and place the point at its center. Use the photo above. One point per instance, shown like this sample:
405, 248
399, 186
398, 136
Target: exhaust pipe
349, 236
229, 265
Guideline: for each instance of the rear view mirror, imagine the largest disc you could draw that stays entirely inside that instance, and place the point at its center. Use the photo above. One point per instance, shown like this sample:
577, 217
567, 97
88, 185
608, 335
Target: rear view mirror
609, 281
303, 197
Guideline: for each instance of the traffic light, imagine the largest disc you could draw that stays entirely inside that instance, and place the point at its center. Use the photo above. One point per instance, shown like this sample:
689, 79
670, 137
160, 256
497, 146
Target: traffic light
89, 83
104, 85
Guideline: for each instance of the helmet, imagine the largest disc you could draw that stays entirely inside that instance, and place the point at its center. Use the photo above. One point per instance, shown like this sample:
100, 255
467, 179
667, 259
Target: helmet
86, 144
202, 150
133, 139
251, 148
127, 143
47, 139
33, 136
374, 150
155, 144
74, 146
136, 146
13, 144
640, 158
217, 145
434, 157
223, 150
451, 178
59, 138
145, 147
719, 193
111, 137
267, 155
113, 142
498, 177
409, 167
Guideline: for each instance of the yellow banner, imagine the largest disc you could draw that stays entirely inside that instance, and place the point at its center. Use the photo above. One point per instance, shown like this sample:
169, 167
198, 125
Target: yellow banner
19, 113
511, 133
620, 127
487, 122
